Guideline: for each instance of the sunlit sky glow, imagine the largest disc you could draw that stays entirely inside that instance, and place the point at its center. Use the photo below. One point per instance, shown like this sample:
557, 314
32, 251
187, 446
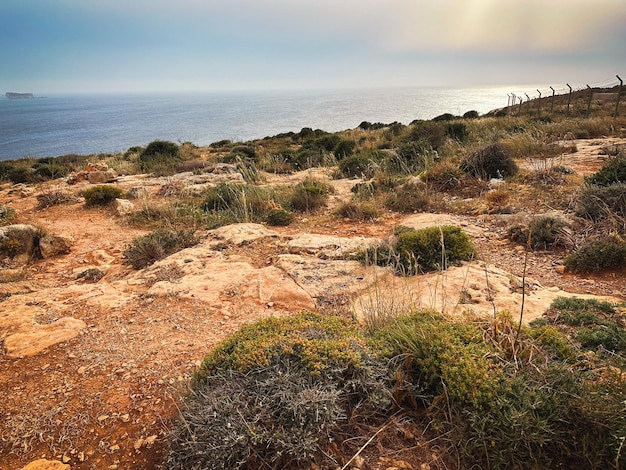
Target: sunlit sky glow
154, 45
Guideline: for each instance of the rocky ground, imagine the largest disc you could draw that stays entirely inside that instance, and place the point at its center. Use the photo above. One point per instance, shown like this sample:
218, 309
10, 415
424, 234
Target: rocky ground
92, 370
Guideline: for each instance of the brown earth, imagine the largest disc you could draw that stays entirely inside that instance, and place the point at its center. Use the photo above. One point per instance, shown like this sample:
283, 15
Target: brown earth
105, 397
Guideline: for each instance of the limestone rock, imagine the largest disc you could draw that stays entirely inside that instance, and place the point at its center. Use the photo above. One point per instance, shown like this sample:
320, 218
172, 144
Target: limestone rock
55, 245
326, 246
101, 177
19, 239
240, 234
43, 464
21, 333
123, 207
209, 276
323, 278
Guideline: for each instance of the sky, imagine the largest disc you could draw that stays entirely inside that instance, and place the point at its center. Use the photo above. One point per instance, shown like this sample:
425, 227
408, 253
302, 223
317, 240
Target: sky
188, 45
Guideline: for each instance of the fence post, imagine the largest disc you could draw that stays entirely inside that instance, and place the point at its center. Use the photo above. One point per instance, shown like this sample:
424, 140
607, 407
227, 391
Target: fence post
569, 98
619, 93
528, 101
519, 111
539, 105
552, 102
589, 101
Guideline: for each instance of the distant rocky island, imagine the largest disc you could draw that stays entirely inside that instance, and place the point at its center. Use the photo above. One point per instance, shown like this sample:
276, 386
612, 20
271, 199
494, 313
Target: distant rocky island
19, 96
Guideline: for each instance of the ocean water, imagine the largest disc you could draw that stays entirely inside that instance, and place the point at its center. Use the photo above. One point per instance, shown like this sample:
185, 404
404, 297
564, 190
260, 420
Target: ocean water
106, 123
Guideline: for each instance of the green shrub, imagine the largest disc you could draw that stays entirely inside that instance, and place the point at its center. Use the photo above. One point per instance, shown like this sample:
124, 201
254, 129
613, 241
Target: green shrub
309, 196
552, 340
437, 356
48, 171
279, 217
361, 164
7, 214
457, 131
610, 337
273, 393
599, 202
357, 211
607, 253
408, 199
241, 153
101, 195
543, 232
147, 249
344, 149
325, 143
239, 203
428, 249
492, 161
160, 157
614, 171
20, 174
428, 134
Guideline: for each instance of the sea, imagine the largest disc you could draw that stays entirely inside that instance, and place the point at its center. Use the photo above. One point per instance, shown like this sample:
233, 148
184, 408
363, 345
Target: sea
85, 124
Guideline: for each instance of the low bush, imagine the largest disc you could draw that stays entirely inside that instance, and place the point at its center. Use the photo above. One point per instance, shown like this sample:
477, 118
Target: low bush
408, 199
543, 232
614, 171
492, 161
418, 251
599, 202
7, 214
279, 217
53, 198
144, 251
361, 164
344, 149
49, 171
274, 393
160, 157
239, 202
101, 195
596, 255
309, 196
357, 211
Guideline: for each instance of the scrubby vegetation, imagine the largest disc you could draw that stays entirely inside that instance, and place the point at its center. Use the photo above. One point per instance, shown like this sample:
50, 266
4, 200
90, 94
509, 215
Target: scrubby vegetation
417, 251
279, 392
146, 250
101, 195
489, 393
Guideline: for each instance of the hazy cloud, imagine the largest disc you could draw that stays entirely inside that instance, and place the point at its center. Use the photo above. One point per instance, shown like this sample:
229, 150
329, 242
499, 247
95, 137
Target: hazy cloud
277, 43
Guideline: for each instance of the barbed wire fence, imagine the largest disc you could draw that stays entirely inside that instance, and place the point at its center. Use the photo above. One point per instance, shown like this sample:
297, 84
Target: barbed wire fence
566, 100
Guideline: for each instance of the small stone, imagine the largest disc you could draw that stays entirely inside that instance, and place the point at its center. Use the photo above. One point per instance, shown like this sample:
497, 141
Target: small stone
150, 440
125, 418
114, 448
560, 269
139, 443
102, 418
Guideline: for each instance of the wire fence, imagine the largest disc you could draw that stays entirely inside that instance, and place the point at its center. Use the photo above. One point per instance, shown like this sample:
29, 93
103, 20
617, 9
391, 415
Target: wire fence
569, 100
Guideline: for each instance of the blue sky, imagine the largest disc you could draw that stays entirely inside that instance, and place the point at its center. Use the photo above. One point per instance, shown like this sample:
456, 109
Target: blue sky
152, 45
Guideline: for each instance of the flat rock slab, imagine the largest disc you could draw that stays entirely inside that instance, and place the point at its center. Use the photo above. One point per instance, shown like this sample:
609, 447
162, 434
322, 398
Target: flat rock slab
223, 283
21, 333
424, 220
329, 247
240, 234
324, 278
43, 464
473, 287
